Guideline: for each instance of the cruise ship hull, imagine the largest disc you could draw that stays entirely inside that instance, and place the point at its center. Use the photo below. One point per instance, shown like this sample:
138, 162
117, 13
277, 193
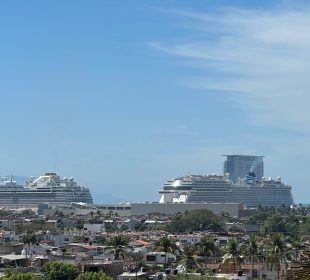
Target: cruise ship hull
215, 189
48, 189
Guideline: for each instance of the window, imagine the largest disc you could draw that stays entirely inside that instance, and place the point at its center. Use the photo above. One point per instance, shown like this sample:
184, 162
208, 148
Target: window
150, 258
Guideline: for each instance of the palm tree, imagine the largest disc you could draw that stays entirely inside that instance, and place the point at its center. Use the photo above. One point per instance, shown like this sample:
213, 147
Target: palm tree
119, 245
294, 247
187, 257
29, 238
98, 213
206, 247
233, 253
252, 249
167, 245
276, 251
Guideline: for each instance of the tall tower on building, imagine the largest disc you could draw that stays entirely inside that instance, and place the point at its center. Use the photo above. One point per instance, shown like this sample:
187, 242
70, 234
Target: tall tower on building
238, 166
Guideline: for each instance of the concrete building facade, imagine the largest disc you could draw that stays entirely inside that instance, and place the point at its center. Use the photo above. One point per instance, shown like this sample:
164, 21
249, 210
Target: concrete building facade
138, 209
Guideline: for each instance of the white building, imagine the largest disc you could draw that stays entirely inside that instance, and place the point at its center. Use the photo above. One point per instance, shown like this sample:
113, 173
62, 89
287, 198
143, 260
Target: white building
155, 258
184, 240
93, 228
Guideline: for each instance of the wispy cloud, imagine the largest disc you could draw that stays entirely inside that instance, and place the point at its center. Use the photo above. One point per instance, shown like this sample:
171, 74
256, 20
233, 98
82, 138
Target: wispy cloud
262, 56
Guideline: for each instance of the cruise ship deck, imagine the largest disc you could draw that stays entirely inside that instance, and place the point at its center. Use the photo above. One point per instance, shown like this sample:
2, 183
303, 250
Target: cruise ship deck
48, 188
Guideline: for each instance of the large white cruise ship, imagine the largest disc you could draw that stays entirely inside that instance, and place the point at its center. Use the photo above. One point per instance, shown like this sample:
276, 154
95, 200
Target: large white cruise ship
48, 189
217, 188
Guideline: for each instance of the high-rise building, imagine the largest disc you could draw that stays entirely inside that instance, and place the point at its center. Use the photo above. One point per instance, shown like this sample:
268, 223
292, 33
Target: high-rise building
238, 166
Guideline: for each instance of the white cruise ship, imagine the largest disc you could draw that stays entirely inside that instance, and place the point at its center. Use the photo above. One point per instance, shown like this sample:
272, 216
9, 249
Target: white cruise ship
48, 189
215, 188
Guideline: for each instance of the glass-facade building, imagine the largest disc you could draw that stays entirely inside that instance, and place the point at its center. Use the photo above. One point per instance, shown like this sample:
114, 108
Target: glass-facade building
238, 166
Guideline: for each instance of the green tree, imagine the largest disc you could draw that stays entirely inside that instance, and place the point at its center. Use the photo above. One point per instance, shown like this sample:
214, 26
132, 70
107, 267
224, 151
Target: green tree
37, 225
79, 223
275, 223
177, 224
5, 213
206, 247
81, 239
98, 213
58, 213
124, 227
233, 253
167, 245
28, 213
140, 226
305, 226
195, 220
94, 276
294, 247
282, 219
260, 215
276, 251
119, 246
29, 239
109, 227
21, 276
252, 249
59, 271
100, 239
187, 257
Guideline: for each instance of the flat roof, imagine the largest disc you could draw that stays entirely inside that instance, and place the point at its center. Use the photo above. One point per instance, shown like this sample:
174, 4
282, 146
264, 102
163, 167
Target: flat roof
12, 257
132, 274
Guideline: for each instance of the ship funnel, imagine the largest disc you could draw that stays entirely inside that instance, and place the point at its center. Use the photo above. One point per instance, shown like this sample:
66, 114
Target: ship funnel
251, 178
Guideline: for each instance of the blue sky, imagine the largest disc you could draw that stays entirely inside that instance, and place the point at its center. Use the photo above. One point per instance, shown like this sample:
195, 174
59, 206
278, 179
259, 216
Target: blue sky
123, 95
